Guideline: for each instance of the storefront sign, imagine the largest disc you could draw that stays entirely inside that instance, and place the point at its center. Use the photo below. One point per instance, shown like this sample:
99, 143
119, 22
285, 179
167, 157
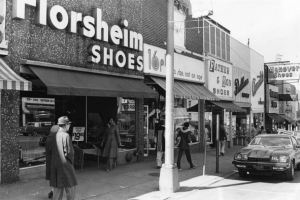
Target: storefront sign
273, 94
90, 27
245, 95
284, 72
272, 99
256, 85
78, 134
185, 68
220, 78
128, 107
37, 104
239, 86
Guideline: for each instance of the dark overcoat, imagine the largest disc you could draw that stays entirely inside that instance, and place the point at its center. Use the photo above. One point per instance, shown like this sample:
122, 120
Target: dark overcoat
48, 148
62, 173
111, 140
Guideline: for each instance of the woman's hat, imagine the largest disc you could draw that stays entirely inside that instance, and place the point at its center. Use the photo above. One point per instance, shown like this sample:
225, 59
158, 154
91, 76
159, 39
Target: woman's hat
63, 120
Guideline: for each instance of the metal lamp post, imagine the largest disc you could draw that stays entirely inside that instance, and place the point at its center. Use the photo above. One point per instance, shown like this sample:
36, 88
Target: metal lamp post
168, 180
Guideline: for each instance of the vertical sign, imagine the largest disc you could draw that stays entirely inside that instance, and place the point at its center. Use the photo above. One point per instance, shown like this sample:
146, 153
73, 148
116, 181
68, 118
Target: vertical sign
3, 42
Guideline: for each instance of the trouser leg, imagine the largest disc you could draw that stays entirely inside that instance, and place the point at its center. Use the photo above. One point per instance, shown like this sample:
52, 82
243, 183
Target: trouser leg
222, 146
159, 155
188, 157
70, 191
58, 193
180, 151
109, 163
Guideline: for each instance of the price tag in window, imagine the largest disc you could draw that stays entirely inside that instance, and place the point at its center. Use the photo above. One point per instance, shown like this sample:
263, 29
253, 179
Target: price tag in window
78, 134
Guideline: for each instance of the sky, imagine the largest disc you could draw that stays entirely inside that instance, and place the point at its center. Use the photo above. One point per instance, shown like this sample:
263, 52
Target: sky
272, 26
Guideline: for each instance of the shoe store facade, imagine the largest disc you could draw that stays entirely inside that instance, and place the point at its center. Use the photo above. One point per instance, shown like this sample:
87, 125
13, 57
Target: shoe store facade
81, 59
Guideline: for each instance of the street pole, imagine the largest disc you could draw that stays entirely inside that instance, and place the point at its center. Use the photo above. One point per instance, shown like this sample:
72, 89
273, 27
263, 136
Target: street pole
217, 141
168, 179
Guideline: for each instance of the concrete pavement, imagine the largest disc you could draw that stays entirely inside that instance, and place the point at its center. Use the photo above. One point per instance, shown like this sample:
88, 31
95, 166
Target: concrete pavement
129, 181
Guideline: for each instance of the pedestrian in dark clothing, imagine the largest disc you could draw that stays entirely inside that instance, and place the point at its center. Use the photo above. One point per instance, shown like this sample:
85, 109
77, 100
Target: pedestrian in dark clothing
183, 143
222, 139
62, 176
112, 140
160, 146
48, 148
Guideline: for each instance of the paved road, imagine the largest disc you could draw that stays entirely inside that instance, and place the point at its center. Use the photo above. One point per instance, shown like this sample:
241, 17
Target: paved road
249, 188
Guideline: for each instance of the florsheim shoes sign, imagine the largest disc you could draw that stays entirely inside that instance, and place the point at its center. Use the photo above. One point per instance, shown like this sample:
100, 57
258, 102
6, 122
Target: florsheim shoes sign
89, 27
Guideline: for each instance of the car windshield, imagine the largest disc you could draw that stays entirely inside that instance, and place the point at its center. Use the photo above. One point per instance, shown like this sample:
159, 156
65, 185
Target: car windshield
272, 141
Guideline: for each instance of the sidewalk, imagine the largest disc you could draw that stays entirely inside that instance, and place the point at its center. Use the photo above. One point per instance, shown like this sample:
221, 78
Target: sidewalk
129, 181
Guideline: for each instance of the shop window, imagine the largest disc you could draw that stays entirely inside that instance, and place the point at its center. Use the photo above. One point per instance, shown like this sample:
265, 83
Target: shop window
126, 123
37, 118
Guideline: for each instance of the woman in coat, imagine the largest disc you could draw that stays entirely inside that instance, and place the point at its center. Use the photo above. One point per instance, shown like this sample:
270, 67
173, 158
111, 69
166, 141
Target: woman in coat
112, 140
48, 148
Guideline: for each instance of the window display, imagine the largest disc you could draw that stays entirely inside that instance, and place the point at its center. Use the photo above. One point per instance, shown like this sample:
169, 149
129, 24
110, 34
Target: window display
38, 116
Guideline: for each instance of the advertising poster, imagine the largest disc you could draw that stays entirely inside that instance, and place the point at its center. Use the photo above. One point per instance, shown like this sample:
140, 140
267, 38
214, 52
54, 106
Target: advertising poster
78, 134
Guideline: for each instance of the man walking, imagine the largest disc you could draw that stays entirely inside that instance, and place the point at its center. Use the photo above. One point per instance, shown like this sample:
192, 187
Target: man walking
62, 175
183, 143
223, 139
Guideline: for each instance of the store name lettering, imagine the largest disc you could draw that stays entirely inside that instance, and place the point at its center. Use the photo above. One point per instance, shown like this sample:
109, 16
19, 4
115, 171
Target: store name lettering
221, 92
285, 71
273, 104
218, 67
188, 74
240, 86
255, 85
90, 27
273, 94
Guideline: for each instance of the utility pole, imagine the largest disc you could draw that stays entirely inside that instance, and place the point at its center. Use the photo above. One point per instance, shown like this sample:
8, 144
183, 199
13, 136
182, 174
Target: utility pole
168, 180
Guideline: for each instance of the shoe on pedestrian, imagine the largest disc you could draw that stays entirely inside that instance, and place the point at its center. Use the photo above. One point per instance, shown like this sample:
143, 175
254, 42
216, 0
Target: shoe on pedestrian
50, 195
107, 170
222, 154
179, 169
194, 167
158, 167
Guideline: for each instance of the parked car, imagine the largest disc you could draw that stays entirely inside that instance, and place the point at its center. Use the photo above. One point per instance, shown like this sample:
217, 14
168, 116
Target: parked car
269, 154
35, 128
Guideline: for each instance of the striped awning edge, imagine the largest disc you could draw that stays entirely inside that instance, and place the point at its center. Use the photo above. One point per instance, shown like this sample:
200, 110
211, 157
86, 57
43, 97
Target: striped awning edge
187, 90
10, 80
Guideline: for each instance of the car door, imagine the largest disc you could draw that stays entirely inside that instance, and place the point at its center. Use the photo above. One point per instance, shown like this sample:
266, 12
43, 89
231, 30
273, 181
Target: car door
297, 150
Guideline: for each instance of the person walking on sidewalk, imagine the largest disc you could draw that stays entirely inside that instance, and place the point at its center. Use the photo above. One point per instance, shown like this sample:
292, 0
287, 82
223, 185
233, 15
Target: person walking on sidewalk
160, 146
112, 140
183, 143
222, 138
62, 176
48, 149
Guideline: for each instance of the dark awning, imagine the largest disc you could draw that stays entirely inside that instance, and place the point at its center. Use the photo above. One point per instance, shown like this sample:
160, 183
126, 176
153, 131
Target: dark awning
276, 117
287, 118
229, 106
77, 83
287, 97
187, 90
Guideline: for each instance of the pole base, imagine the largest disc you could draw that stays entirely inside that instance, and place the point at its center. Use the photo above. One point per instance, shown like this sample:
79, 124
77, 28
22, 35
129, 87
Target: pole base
168, 179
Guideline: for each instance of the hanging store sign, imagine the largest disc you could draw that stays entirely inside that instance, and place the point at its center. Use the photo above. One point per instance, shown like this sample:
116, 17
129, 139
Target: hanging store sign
185, 68
220, 78
258, 83
284, 72
272, 99
89, 27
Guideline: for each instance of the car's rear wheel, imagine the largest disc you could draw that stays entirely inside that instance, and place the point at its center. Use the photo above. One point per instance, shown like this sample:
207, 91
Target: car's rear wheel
290, 173
34, 133
242, 173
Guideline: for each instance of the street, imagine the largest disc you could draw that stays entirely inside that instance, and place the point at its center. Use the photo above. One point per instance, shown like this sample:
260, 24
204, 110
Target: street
248, 188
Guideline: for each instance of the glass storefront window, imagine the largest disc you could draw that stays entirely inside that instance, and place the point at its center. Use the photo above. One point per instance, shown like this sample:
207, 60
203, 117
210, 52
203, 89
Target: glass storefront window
38, 116
126, 123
